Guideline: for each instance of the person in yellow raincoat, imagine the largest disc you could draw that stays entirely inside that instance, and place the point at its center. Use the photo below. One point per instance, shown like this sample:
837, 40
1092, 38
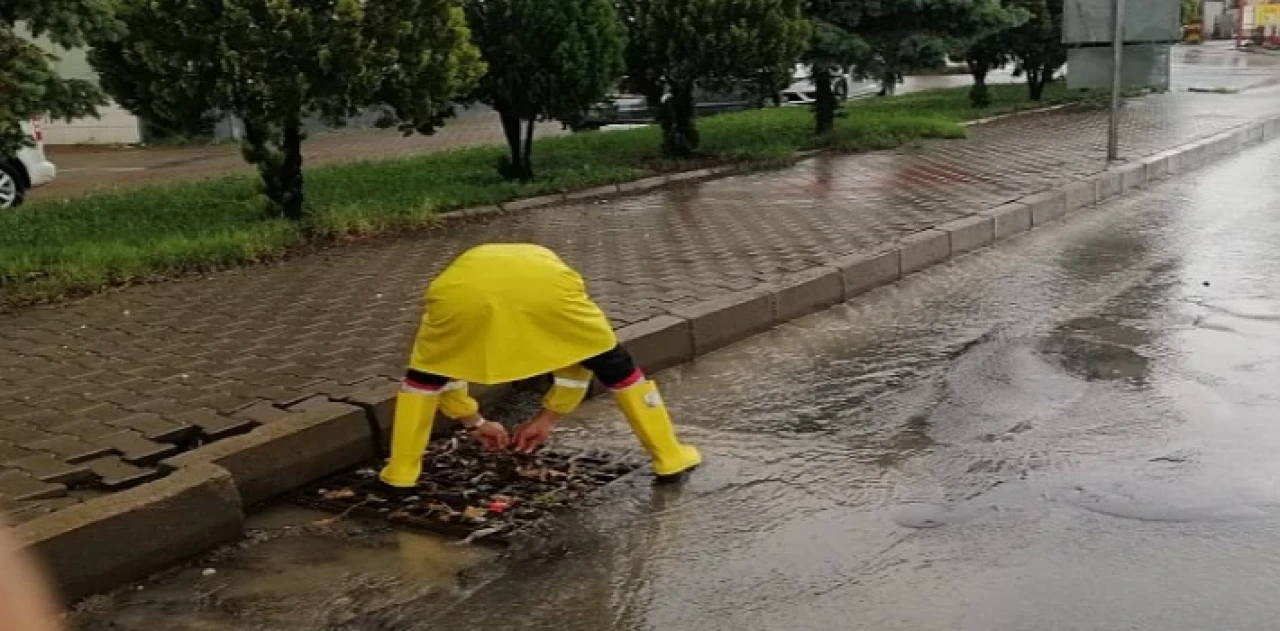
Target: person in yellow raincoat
506, 312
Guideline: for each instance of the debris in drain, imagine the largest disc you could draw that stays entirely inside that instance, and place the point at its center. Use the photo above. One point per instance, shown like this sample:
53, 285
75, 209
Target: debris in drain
469, 493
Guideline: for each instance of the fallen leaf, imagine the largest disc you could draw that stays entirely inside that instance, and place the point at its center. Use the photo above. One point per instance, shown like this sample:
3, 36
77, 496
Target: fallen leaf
441, 507
340, 494
474, 512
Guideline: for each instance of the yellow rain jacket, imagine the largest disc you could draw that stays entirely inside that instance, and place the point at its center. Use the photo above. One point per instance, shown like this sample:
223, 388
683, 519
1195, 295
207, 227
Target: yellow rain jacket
506, 312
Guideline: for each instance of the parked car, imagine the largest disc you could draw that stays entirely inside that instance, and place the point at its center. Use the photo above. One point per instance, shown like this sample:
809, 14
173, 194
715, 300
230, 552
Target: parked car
625, 108
26, 169
803, 92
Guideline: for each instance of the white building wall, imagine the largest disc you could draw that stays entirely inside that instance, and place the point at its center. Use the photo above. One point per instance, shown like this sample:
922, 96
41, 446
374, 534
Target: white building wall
115, 126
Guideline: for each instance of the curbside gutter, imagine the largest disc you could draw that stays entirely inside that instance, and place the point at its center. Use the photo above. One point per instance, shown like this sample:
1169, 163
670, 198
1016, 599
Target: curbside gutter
100, 544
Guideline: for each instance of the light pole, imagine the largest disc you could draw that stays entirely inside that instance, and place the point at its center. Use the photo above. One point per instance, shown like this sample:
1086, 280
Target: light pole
1240, 5
1117, 59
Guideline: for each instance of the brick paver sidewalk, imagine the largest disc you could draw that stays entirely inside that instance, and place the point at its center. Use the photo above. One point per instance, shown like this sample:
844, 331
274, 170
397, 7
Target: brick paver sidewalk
94, 393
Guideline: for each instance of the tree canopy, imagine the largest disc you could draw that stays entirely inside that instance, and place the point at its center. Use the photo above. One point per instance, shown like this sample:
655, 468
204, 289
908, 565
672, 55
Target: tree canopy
677, 46
275, 63
886, 39
547, 59
30, 86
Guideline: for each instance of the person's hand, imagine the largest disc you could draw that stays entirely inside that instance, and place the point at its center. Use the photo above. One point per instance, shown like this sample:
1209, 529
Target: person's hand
532, 433
492, 435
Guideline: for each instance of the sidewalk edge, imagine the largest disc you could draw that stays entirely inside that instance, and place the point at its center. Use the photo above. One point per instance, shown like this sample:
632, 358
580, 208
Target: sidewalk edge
107, 541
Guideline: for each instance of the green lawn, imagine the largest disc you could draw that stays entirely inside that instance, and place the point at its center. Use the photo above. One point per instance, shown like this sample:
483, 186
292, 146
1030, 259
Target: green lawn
54, 248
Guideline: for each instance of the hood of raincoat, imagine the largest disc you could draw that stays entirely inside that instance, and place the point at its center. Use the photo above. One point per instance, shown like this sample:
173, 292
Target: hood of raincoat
505, 312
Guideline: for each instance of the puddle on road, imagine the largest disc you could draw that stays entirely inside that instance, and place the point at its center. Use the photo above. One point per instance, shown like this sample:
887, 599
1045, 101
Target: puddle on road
298, 569
924, 515
1143, 500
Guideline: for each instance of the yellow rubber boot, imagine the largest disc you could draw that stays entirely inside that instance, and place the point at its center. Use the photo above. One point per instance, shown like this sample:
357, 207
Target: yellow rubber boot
410, 433
647, 415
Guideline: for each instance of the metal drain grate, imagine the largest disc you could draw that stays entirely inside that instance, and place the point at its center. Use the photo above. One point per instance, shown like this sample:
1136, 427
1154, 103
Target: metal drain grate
468, 493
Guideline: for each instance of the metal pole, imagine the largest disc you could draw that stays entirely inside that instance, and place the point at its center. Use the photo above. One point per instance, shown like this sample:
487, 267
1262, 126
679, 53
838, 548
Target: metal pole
1117, 59
1240, 8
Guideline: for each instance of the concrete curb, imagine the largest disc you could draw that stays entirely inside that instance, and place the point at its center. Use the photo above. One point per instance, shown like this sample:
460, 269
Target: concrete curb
97, 545
100, 544
290, 451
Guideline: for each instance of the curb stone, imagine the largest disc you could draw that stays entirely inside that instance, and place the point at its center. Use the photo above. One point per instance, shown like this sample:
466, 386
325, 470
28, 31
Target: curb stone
1011, 218
970, 233
290, 451
726, 319
659, 343
94, 546
107, 541
923, 250
863, 272
1050, 205
808, 291
1080, 195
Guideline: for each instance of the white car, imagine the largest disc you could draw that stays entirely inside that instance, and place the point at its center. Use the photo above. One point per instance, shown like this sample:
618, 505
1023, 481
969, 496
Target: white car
803, 92
26, 170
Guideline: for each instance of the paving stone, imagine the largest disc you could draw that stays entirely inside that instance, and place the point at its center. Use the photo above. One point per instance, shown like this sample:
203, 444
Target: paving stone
10, 451
261, 413
156, 428
214, 426
23, 434
20, 486
134, 448
114, 474
70, 448
86, 430
47, 468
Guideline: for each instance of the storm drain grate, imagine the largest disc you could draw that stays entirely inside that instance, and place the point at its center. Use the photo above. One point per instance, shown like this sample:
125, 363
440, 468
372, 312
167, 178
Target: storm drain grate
468, 493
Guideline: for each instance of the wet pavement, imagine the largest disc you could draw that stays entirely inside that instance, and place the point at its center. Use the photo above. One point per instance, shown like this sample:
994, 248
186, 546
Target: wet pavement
83, 169
1218, 65
1073, 430
95, 392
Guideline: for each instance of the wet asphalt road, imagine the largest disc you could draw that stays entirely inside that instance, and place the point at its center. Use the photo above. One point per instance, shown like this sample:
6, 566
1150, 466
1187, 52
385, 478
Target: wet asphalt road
1073, 430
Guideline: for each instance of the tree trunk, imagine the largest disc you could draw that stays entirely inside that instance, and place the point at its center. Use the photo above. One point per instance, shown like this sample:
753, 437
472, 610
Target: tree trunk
679, 129
257, 150
888, 83
528, 150
279, 163
516, 166
1046, 77
1035, 84
291, 197
979, 94
824, 107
